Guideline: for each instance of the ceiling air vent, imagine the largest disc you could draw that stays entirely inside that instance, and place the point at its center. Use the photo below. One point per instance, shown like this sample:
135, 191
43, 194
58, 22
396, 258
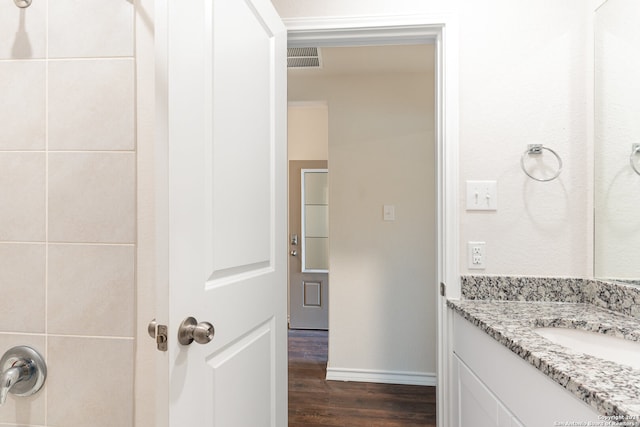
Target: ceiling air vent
303, 57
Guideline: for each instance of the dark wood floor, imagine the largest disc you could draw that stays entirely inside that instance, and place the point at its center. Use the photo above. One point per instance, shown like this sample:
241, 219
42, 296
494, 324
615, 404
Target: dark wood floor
313, 401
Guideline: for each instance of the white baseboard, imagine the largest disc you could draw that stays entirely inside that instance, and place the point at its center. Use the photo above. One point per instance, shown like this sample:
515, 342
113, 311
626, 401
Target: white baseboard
386, 377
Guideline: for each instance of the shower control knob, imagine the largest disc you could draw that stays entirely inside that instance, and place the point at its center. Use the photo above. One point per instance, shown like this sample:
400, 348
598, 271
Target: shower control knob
22, 372
190, 330
22, 3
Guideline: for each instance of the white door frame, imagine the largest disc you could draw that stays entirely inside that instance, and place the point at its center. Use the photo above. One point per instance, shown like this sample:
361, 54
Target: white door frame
442, 30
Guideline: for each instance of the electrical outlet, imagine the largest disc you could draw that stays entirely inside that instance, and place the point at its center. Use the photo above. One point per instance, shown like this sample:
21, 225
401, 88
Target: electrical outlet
476, 255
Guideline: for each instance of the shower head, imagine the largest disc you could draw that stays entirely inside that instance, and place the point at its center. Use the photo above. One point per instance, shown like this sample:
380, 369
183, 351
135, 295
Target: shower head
22, 3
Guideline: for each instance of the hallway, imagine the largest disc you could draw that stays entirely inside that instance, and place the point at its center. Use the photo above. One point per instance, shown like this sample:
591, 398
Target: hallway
316, 402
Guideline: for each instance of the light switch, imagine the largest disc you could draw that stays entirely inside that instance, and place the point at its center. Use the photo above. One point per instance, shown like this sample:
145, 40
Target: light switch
389, 213
482, 195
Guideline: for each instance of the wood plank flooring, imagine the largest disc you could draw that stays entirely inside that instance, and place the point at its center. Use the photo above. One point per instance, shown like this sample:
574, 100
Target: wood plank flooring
313, 401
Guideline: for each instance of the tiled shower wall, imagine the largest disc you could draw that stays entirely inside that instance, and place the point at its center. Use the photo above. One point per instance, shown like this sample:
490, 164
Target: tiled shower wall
67, 206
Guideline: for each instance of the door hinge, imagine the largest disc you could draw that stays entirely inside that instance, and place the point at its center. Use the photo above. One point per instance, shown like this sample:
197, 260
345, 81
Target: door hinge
159, 333
443, 289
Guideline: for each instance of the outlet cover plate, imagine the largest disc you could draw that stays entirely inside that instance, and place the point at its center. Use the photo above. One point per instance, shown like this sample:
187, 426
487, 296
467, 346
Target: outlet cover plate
476, 255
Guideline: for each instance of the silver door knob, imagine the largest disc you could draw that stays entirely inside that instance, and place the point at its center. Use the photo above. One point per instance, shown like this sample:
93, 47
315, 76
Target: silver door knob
190, 330
294, 253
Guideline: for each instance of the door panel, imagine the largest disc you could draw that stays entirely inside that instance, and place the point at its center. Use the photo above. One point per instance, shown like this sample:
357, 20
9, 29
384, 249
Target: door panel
222, 71
252, 355
308, 292
312, 296
242, 178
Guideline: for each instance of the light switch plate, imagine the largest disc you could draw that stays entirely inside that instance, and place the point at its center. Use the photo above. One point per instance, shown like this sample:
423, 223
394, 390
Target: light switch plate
389, 213
482, 195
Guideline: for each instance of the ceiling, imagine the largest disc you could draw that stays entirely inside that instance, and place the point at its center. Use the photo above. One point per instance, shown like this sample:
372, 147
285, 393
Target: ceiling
372, 59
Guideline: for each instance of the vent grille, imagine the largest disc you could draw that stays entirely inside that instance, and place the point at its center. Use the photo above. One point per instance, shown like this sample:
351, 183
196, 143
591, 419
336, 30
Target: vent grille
303, 57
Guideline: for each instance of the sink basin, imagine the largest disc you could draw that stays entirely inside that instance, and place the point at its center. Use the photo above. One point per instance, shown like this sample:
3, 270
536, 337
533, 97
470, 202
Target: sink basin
608, 347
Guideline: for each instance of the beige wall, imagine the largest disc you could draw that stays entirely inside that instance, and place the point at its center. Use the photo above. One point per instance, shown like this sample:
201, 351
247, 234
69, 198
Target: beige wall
524, 78
382, 274
67, 215
308, 131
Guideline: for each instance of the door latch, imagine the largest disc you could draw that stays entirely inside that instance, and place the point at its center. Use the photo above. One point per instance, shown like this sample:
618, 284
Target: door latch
159, 333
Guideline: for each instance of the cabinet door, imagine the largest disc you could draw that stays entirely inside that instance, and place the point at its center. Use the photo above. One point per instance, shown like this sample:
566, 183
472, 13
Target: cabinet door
478, 406
506, 418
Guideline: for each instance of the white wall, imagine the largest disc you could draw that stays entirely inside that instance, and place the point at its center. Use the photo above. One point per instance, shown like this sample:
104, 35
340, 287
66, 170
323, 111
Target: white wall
382, 274
617, 223
523, 79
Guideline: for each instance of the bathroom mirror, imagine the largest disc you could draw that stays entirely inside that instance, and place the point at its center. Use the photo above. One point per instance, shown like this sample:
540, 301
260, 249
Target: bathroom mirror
617, 135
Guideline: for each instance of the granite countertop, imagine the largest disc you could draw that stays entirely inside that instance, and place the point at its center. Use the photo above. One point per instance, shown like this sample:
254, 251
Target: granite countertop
610, 388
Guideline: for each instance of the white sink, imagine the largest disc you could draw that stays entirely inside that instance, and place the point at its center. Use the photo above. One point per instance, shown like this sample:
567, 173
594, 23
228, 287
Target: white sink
619, 350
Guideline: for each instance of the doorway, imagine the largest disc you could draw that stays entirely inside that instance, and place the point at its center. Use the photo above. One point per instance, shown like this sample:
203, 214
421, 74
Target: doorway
382, 208
447, 157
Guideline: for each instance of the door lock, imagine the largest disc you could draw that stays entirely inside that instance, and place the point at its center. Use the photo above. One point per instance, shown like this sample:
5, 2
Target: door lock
159, 333
190, 330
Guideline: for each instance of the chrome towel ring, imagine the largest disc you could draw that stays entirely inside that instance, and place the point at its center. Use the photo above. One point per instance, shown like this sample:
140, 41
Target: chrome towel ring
635, 149
536, 149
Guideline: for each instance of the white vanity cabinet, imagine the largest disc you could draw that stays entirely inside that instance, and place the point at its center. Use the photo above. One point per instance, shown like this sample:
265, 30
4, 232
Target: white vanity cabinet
494, 387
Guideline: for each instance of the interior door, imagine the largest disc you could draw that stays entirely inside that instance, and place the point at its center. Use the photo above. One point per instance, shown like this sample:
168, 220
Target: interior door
309, 289
221, 219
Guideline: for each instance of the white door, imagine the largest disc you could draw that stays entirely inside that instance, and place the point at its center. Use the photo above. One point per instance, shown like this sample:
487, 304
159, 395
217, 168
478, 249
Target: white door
221, 178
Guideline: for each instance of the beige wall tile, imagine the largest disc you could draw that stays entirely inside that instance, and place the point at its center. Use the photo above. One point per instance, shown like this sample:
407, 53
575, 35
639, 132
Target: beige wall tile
23, 31
22, 287
91, 104
22, 197
90, 28
90, 290
22, 104
92, 197
24, 410
90, 382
